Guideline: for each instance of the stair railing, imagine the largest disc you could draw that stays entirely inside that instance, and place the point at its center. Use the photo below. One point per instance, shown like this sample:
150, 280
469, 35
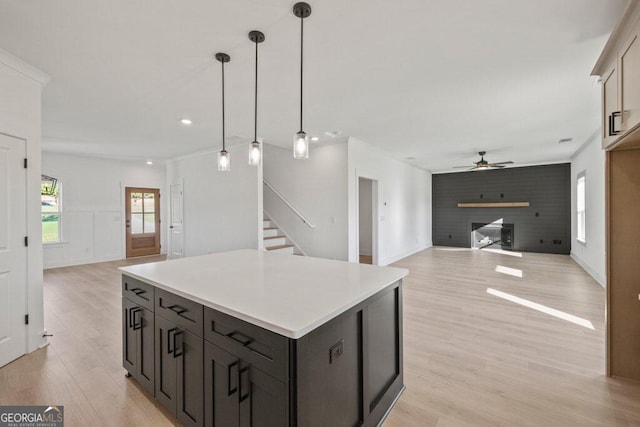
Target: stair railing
289, 205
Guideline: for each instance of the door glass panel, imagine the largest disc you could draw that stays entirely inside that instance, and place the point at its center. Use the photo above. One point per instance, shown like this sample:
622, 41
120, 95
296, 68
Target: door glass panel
136, 203
136, 223
149, 223
149, 202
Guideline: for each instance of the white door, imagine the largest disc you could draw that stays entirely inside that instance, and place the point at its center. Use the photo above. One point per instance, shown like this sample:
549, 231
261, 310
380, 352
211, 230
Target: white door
176, 235
13, 252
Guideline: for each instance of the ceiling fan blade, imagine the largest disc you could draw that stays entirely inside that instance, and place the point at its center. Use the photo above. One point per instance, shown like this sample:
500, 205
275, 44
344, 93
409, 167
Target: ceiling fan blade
459, 167
503, 163
498, 166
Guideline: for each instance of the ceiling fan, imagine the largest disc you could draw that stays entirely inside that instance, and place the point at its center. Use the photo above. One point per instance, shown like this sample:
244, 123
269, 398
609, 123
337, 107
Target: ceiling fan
483, 164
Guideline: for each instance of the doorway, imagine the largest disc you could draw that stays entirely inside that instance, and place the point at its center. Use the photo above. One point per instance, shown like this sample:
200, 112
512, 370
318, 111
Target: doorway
13, 250
142, 209
367, 223
176, 231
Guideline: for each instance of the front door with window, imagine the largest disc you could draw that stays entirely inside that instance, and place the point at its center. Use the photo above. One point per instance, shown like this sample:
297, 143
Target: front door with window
143, 221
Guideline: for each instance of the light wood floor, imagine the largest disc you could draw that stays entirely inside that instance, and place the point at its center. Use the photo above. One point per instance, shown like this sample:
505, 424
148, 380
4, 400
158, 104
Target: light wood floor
471, 358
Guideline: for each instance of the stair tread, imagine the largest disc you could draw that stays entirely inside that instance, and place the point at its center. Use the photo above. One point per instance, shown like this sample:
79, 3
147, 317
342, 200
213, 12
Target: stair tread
271, 248
274, 237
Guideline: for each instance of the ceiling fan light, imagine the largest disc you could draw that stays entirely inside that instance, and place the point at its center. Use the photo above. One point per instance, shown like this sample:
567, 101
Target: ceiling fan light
301, 146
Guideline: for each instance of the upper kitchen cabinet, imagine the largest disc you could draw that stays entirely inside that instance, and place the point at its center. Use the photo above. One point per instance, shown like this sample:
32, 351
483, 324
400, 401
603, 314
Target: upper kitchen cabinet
619, 68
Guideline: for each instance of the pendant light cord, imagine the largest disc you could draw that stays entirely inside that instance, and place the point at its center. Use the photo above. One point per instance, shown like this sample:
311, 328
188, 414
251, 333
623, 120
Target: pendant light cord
223, 145
255, 105
301, 66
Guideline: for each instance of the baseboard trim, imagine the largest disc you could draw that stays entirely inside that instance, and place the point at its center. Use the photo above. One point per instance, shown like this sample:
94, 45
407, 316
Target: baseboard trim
586, 267
414, 250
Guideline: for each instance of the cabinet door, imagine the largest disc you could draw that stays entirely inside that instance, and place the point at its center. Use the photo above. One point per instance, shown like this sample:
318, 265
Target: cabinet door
610, 105
263, 399
129, 347
220, 387
165, 364
145, 330
629, 75
188, 350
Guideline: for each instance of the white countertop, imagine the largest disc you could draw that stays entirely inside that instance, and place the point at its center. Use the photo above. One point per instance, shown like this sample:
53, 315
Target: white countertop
287, 294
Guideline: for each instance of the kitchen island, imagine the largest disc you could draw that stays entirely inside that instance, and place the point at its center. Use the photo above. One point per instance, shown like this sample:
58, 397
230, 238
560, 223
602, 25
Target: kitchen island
262, 339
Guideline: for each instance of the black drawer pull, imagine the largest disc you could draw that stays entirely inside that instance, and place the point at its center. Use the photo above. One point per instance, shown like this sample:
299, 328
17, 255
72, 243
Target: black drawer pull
138, 291
230, 366
244, 340
243, 397
178, 347
177, 309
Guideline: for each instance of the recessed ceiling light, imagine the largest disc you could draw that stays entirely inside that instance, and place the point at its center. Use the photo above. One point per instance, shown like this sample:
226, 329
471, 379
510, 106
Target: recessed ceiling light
315, 138
333, 133
565, 140
149, 162
186, 121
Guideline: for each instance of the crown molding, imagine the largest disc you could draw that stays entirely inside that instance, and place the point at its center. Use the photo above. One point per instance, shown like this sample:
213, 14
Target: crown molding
24, 68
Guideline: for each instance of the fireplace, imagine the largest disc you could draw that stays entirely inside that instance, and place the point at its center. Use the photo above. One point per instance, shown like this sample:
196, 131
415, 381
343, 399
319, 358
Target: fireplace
493, 235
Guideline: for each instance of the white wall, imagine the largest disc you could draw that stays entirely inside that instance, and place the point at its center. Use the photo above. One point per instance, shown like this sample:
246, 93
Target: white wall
365, 212
93, 209
20, 116
317, 188
590, 159
404, 203
222, 210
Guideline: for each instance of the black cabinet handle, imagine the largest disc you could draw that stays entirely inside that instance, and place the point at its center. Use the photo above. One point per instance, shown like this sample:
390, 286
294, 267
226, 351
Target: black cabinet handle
137, 324
612, 123
170, 343
230, 366
242, 397
138, 291
178, 347
240, 338
177, 309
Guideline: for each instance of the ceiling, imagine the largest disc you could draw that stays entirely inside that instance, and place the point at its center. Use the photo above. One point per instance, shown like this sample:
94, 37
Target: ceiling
433, 80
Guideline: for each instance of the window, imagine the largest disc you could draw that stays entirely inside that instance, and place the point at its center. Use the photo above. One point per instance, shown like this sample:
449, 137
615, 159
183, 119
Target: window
581, 208
51, 210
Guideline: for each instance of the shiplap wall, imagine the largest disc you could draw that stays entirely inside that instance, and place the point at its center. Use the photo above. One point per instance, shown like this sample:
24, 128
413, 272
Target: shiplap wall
546, 188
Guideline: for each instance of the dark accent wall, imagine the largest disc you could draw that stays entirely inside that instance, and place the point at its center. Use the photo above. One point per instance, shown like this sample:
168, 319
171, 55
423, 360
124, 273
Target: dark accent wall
545, 226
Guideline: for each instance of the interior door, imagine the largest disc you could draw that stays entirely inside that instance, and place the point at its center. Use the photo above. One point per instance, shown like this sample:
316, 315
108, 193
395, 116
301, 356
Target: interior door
176, 227
13, 253
143, 221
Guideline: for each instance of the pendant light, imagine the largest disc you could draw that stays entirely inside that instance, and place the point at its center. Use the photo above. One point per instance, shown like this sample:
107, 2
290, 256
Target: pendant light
301, 139
224, 160
254, 151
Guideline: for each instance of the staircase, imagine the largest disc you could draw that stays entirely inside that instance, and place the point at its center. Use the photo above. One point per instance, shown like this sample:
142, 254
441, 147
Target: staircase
276, 241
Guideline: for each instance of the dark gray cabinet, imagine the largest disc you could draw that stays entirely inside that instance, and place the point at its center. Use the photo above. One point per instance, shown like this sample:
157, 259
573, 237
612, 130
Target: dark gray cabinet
179, 379
239, 394
215, 370
138, 344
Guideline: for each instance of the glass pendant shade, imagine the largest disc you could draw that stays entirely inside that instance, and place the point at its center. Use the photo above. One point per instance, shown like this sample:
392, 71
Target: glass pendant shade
255, 154
301, 146
224, 161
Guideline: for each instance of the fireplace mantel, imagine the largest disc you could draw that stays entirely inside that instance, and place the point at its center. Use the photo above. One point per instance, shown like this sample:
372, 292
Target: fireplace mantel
494, 205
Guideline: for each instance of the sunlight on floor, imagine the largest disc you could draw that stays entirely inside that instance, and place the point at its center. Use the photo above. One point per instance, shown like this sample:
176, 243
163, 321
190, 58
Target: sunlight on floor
542, 308
502, 252
508, 270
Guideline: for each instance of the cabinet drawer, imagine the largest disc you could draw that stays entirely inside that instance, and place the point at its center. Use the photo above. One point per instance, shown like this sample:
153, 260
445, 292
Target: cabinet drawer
137, 291
264, 349
181, 311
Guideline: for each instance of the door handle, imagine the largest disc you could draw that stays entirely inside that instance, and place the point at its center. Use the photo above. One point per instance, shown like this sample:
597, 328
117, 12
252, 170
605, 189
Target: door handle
612, 123
178, 347
171, 226
230, 366
243, 397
